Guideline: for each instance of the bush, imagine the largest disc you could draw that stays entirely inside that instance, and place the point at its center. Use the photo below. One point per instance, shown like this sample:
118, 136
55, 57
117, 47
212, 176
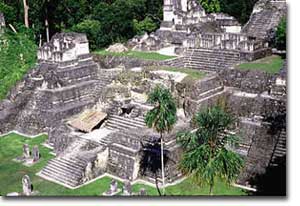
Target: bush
92, 28
210, 6
280, 38
18, 55
147, 25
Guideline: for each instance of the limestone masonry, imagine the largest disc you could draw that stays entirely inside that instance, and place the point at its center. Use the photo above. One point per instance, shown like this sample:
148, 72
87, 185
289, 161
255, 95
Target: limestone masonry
93, 108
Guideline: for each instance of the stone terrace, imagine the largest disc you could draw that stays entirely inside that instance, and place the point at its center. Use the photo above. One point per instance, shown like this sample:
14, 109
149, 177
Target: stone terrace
207, 59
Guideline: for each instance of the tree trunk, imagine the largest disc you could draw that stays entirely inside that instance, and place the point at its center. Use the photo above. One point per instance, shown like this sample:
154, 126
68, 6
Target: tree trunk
162, 162
156, 183
26, 8
210, 190
47, 30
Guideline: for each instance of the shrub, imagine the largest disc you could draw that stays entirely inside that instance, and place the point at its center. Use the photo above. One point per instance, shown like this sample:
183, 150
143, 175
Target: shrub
280, 38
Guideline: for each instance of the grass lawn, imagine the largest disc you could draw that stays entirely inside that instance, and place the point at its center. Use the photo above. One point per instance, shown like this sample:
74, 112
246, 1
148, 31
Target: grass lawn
137, 54
271, 64
192, 73
11, 174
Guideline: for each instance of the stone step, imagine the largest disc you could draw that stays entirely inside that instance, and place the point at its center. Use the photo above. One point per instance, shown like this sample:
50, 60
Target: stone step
214, 54
212, 51
66, 165
210, 58
64, 175
58, 178
135, 121
119, 126
75, 161
209, 64
64, 170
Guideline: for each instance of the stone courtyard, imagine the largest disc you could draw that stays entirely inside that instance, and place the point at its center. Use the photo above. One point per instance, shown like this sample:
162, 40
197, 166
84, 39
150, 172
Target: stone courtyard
93, 108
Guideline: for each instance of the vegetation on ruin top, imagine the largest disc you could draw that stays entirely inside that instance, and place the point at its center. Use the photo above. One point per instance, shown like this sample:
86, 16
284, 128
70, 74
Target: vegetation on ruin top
11, 146
271, 64
136, 54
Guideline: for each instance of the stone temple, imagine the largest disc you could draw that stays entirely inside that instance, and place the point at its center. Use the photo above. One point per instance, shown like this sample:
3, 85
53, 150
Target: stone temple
93, 108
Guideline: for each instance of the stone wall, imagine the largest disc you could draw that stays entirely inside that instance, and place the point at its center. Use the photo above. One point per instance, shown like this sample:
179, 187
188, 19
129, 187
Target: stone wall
109, 62
251, 81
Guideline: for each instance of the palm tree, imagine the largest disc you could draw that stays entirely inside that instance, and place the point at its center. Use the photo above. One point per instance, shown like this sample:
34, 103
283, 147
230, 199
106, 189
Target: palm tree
161, 118
207, 154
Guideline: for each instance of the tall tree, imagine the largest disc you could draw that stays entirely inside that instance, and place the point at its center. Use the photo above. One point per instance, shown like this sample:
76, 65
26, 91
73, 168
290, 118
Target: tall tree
207, 155
161, 118
26, 8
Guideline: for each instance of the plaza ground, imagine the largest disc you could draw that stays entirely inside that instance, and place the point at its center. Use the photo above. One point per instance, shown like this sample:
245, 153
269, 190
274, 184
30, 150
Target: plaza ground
271, 64
11, 174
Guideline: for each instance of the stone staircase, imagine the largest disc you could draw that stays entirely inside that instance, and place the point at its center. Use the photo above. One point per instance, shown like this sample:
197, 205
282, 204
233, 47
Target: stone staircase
67, 169
261, 22
64, 170
207, 59
116, 122
106, 141
279, 150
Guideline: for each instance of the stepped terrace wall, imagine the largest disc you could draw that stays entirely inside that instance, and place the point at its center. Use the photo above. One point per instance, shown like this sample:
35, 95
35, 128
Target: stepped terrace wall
109, 62
252, 81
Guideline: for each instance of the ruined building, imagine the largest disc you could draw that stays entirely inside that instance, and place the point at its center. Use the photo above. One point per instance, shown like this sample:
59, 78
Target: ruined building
95, 122
65, 81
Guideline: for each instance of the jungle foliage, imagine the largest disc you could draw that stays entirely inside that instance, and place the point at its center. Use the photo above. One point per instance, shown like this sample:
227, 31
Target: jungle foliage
105, 21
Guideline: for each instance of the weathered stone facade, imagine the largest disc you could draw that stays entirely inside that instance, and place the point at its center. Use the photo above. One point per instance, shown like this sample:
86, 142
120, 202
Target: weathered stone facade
265, 17
59, 86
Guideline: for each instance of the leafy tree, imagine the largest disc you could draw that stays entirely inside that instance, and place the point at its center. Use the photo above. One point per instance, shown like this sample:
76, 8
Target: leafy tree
162, 117
207, 156
147, 25
280, 38
92, 28
210, 6
18, 55
9, 12
240, 9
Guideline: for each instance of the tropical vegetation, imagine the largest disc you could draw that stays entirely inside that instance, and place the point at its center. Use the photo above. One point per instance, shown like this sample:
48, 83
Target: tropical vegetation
17, 56
208, 155
104, 21
161, 118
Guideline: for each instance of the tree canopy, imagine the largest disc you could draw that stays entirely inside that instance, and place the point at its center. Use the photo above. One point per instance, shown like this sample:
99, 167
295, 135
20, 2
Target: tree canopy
105, 21
207, 155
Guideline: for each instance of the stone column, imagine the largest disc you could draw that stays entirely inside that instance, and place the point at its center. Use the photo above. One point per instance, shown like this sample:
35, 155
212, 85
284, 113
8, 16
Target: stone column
26, 151
35, 153
27, 186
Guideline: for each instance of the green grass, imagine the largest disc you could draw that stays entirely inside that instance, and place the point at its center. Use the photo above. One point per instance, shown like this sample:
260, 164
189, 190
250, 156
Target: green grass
136, 54
11, 174
271, 64
192, 73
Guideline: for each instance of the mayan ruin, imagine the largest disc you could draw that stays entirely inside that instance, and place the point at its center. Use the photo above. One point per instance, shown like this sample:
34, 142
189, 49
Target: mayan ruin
81, 116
